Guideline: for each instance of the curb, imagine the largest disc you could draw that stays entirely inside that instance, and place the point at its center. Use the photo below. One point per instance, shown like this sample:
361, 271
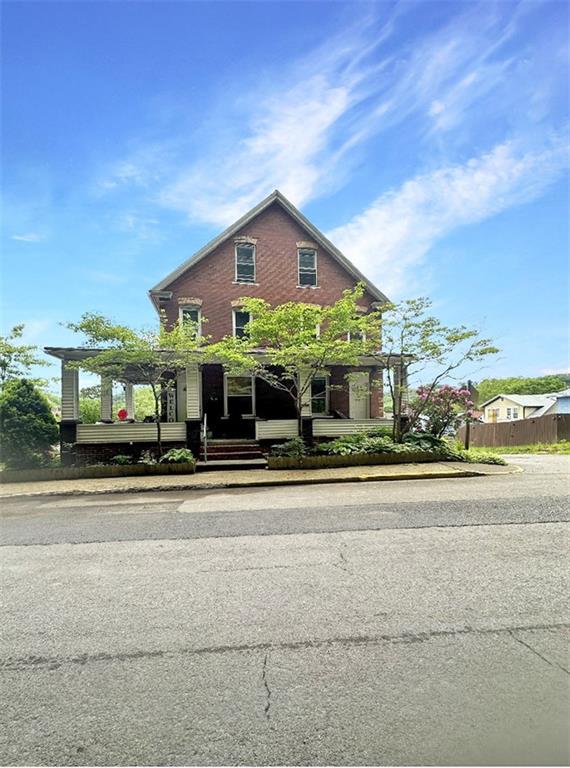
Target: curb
268, 483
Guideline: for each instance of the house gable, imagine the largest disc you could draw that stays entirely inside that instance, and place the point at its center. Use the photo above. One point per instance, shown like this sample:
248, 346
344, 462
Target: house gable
278, 231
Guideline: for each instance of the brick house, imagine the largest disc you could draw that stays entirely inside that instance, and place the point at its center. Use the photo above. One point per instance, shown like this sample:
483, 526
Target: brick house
273, 252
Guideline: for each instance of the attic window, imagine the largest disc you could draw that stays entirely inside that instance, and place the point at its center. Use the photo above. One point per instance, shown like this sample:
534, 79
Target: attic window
307, 266
245, 263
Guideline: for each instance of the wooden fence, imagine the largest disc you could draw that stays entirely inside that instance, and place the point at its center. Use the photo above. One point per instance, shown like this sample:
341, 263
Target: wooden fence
546, 429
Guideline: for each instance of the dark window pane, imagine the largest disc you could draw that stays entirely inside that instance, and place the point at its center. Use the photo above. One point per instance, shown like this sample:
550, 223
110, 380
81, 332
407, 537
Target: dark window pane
239, 386
307, 278
192, 315
244, 254
245, 273
307, 259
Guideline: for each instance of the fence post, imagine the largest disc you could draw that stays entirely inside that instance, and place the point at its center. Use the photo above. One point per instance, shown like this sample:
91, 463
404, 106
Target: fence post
467, 434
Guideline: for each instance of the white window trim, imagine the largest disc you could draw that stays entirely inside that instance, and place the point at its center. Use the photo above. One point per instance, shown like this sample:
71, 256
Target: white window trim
235, 310
349, 336
254, 247
327, 378
316, 285
226, 410
191, 306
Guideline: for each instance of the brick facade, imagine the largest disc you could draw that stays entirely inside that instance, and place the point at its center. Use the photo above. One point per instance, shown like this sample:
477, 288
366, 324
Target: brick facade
277, 236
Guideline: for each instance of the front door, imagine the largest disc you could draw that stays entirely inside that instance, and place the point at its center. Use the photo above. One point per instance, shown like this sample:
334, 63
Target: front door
239, 403
359, 397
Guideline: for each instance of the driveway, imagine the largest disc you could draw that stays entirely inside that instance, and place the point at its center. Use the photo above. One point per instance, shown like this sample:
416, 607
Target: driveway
402, 623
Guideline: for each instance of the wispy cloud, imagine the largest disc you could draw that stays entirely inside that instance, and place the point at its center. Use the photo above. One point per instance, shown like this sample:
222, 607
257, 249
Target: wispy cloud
29, 237
304, 133
399, 228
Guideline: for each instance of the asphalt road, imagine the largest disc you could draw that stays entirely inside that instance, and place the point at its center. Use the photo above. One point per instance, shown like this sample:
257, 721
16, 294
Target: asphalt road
421, 622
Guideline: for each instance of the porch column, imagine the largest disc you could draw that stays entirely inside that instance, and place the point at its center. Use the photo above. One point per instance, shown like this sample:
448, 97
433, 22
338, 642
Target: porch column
130, 400
193, 382
106, 398
69, 393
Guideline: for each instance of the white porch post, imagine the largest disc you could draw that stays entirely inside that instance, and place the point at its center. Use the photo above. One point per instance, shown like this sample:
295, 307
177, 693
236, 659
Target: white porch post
69, 393
193, 381
306, 404
106, 398
130, 400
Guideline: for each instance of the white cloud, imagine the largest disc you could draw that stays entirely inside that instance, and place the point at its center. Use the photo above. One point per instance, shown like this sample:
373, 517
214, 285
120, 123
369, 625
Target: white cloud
29, 237
397, 230
304, 128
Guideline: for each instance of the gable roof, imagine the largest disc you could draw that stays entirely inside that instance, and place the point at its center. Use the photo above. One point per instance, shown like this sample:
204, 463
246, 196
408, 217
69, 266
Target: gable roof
274, 197
525, 401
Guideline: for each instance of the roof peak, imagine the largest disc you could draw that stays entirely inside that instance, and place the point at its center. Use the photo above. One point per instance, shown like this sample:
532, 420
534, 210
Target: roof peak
295, 213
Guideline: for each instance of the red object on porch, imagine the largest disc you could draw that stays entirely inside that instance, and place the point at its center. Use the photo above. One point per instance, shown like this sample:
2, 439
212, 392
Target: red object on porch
122, 414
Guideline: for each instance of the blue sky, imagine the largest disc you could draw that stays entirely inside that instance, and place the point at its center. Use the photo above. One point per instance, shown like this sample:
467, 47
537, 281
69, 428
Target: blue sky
428, 140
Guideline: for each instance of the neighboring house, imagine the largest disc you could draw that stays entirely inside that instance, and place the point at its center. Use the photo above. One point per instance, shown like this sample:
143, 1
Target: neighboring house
274, 253
503, 408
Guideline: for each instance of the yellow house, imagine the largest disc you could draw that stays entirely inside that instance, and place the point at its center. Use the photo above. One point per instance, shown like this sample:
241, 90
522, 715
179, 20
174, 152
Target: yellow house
513, 407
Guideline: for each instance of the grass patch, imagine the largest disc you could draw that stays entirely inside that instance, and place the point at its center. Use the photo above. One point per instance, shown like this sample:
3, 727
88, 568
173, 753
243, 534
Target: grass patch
561, 448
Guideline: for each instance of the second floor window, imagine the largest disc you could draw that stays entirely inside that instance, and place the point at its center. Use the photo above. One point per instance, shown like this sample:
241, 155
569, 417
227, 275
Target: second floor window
245, 263
307, 266
241, 319
191, 314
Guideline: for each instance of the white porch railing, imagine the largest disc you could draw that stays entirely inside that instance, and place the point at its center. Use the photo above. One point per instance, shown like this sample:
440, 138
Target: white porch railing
339, 427
276, 429
131, 433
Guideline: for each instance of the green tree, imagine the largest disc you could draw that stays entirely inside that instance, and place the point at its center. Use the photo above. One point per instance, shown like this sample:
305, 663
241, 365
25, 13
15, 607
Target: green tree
16, 359
518, 385
28, 428
299, 340
415, 343
147, 356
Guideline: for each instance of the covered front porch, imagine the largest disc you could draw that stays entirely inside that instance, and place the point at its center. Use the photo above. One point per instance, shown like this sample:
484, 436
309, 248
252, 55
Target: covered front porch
204, 402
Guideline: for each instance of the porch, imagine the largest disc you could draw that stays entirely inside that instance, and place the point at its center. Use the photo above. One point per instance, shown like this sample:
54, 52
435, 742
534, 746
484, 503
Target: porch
204, 401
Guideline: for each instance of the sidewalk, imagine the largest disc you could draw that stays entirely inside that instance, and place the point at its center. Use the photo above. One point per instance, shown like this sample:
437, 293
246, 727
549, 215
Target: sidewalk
251, 479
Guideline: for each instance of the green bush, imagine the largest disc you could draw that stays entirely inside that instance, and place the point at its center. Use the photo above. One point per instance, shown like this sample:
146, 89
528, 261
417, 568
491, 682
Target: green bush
122, 459
482, 457
425, 441
178, 456
293, 449
28, 430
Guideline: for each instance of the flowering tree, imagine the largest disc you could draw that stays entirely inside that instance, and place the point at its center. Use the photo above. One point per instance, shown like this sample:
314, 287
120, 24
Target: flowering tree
443, 408
415, 343
289, 345
148, 356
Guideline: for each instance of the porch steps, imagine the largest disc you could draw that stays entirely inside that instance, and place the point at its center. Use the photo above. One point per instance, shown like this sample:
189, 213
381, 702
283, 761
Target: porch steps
232, 454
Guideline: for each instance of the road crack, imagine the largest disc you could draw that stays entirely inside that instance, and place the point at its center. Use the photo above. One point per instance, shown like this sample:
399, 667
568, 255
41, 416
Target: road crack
536, 653
267, 688
21, 663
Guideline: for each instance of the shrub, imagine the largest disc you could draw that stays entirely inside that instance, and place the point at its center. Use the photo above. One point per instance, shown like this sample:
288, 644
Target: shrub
482, 457
425, 441
293, 449
122, 459
147, 457
28, 429
178, 456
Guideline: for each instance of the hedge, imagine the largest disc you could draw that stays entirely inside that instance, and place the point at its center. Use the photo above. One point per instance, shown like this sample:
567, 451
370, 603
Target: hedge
353, 460
75, 473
